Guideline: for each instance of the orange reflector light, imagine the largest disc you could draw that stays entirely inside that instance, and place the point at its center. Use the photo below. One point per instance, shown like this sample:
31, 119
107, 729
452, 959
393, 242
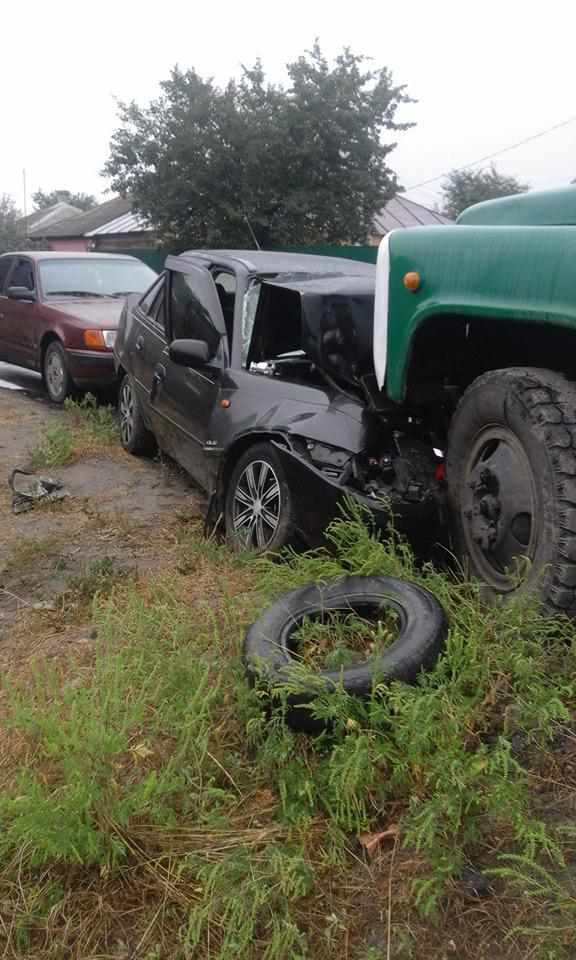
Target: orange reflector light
412, 281
225, 404
94, 339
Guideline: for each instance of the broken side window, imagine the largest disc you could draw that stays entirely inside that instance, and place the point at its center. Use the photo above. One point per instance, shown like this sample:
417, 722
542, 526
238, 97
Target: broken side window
277, 328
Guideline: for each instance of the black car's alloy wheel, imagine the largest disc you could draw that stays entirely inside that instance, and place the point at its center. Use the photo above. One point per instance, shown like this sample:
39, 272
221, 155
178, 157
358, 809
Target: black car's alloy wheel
258, 509
256, 505
135, 437
55, 372
511, 475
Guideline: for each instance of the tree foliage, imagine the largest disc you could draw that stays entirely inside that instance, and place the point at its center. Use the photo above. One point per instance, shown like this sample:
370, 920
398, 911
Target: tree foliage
11, 232
301, 163
462, 188
84, 201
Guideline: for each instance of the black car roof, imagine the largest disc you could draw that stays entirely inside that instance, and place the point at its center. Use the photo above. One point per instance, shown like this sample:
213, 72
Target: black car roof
272, 262
329, 284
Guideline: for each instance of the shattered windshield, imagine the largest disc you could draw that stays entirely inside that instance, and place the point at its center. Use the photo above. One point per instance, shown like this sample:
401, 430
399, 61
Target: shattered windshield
249, 309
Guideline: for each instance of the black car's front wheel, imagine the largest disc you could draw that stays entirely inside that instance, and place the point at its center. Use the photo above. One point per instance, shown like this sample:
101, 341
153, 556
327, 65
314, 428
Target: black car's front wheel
57, 379
134, 435
258, 511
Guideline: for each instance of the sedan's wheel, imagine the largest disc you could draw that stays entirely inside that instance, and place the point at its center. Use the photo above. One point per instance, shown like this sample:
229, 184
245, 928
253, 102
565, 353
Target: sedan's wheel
511, 473
258, 510
135, 437
57, 380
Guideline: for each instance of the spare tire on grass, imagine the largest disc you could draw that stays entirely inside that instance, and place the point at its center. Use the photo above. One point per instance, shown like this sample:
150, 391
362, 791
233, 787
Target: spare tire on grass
270, 648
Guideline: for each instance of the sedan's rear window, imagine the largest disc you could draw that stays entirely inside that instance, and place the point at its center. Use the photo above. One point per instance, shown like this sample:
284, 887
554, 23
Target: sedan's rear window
94, 278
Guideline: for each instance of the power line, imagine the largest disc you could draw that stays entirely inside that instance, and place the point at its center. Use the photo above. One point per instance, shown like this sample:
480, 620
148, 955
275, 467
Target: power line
497, 153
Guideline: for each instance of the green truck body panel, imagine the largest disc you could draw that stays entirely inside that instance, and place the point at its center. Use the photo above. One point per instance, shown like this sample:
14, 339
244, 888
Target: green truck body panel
554, 208
519, 273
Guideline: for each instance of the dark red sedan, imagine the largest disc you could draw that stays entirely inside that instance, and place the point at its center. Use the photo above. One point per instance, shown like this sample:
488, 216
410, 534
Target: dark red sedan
59, 314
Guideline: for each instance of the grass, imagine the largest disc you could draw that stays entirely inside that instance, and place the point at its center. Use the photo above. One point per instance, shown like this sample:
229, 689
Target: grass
337, 639
56, 448
88, 428
161, 808
29, 550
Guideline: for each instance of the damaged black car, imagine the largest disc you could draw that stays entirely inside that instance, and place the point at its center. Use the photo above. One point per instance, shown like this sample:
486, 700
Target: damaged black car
254, 371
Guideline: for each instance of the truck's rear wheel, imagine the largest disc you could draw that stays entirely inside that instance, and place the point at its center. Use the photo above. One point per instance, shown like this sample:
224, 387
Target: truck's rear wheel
511, 474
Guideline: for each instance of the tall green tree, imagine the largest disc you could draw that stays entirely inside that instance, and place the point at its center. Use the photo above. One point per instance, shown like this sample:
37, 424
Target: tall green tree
84, 201
462, 188
253, 161
12, 235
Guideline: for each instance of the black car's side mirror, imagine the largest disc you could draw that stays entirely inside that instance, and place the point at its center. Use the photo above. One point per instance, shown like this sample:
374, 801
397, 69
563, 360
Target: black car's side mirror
21, 293
189, 353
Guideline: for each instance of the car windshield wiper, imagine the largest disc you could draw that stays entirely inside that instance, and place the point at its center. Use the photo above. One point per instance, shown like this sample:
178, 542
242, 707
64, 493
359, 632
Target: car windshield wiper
76, 293
123, 293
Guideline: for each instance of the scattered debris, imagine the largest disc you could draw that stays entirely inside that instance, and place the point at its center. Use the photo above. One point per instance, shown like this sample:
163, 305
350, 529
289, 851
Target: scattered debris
372, 841
29, 491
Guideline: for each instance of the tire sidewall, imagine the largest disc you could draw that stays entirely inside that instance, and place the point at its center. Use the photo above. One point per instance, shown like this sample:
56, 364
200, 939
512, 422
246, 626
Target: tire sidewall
53, 347
496, 402
267, 649
284, 533
141, 440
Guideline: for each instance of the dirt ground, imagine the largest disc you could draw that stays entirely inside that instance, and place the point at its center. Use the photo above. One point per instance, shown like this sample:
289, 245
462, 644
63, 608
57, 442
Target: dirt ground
119, 509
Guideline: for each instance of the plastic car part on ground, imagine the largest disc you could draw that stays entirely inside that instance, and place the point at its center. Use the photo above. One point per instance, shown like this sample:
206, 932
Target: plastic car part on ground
29, 488
269, 645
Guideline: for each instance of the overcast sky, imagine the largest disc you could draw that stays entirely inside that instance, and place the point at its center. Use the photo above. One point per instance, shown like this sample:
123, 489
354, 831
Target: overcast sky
485, 75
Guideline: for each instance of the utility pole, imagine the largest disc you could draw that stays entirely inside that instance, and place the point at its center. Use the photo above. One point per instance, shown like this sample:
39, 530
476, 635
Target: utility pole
24, 188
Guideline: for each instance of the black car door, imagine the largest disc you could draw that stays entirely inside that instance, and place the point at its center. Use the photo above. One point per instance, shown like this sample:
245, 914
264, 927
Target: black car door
145, 339
183, 398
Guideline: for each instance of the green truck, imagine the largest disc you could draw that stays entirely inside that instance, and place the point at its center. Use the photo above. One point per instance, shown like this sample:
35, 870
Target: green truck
475, 336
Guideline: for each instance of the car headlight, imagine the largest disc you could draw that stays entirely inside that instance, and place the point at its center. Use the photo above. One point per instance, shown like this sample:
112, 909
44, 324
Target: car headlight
99, 339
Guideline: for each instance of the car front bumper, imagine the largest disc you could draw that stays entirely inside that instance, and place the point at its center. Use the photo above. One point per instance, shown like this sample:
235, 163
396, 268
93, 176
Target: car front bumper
91, 368
318, 499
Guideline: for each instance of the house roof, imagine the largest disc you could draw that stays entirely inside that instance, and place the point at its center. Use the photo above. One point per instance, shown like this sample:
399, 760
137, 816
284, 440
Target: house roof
115, 213
401, 212
127, 223
35, 223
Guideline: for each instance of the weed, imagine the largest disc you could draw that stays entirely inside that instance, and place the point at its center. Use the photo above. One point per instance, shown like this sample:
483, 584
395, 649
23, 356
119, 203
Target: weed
334, 639
96, 419
83, 589
194, 550
55, 449
87, 429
